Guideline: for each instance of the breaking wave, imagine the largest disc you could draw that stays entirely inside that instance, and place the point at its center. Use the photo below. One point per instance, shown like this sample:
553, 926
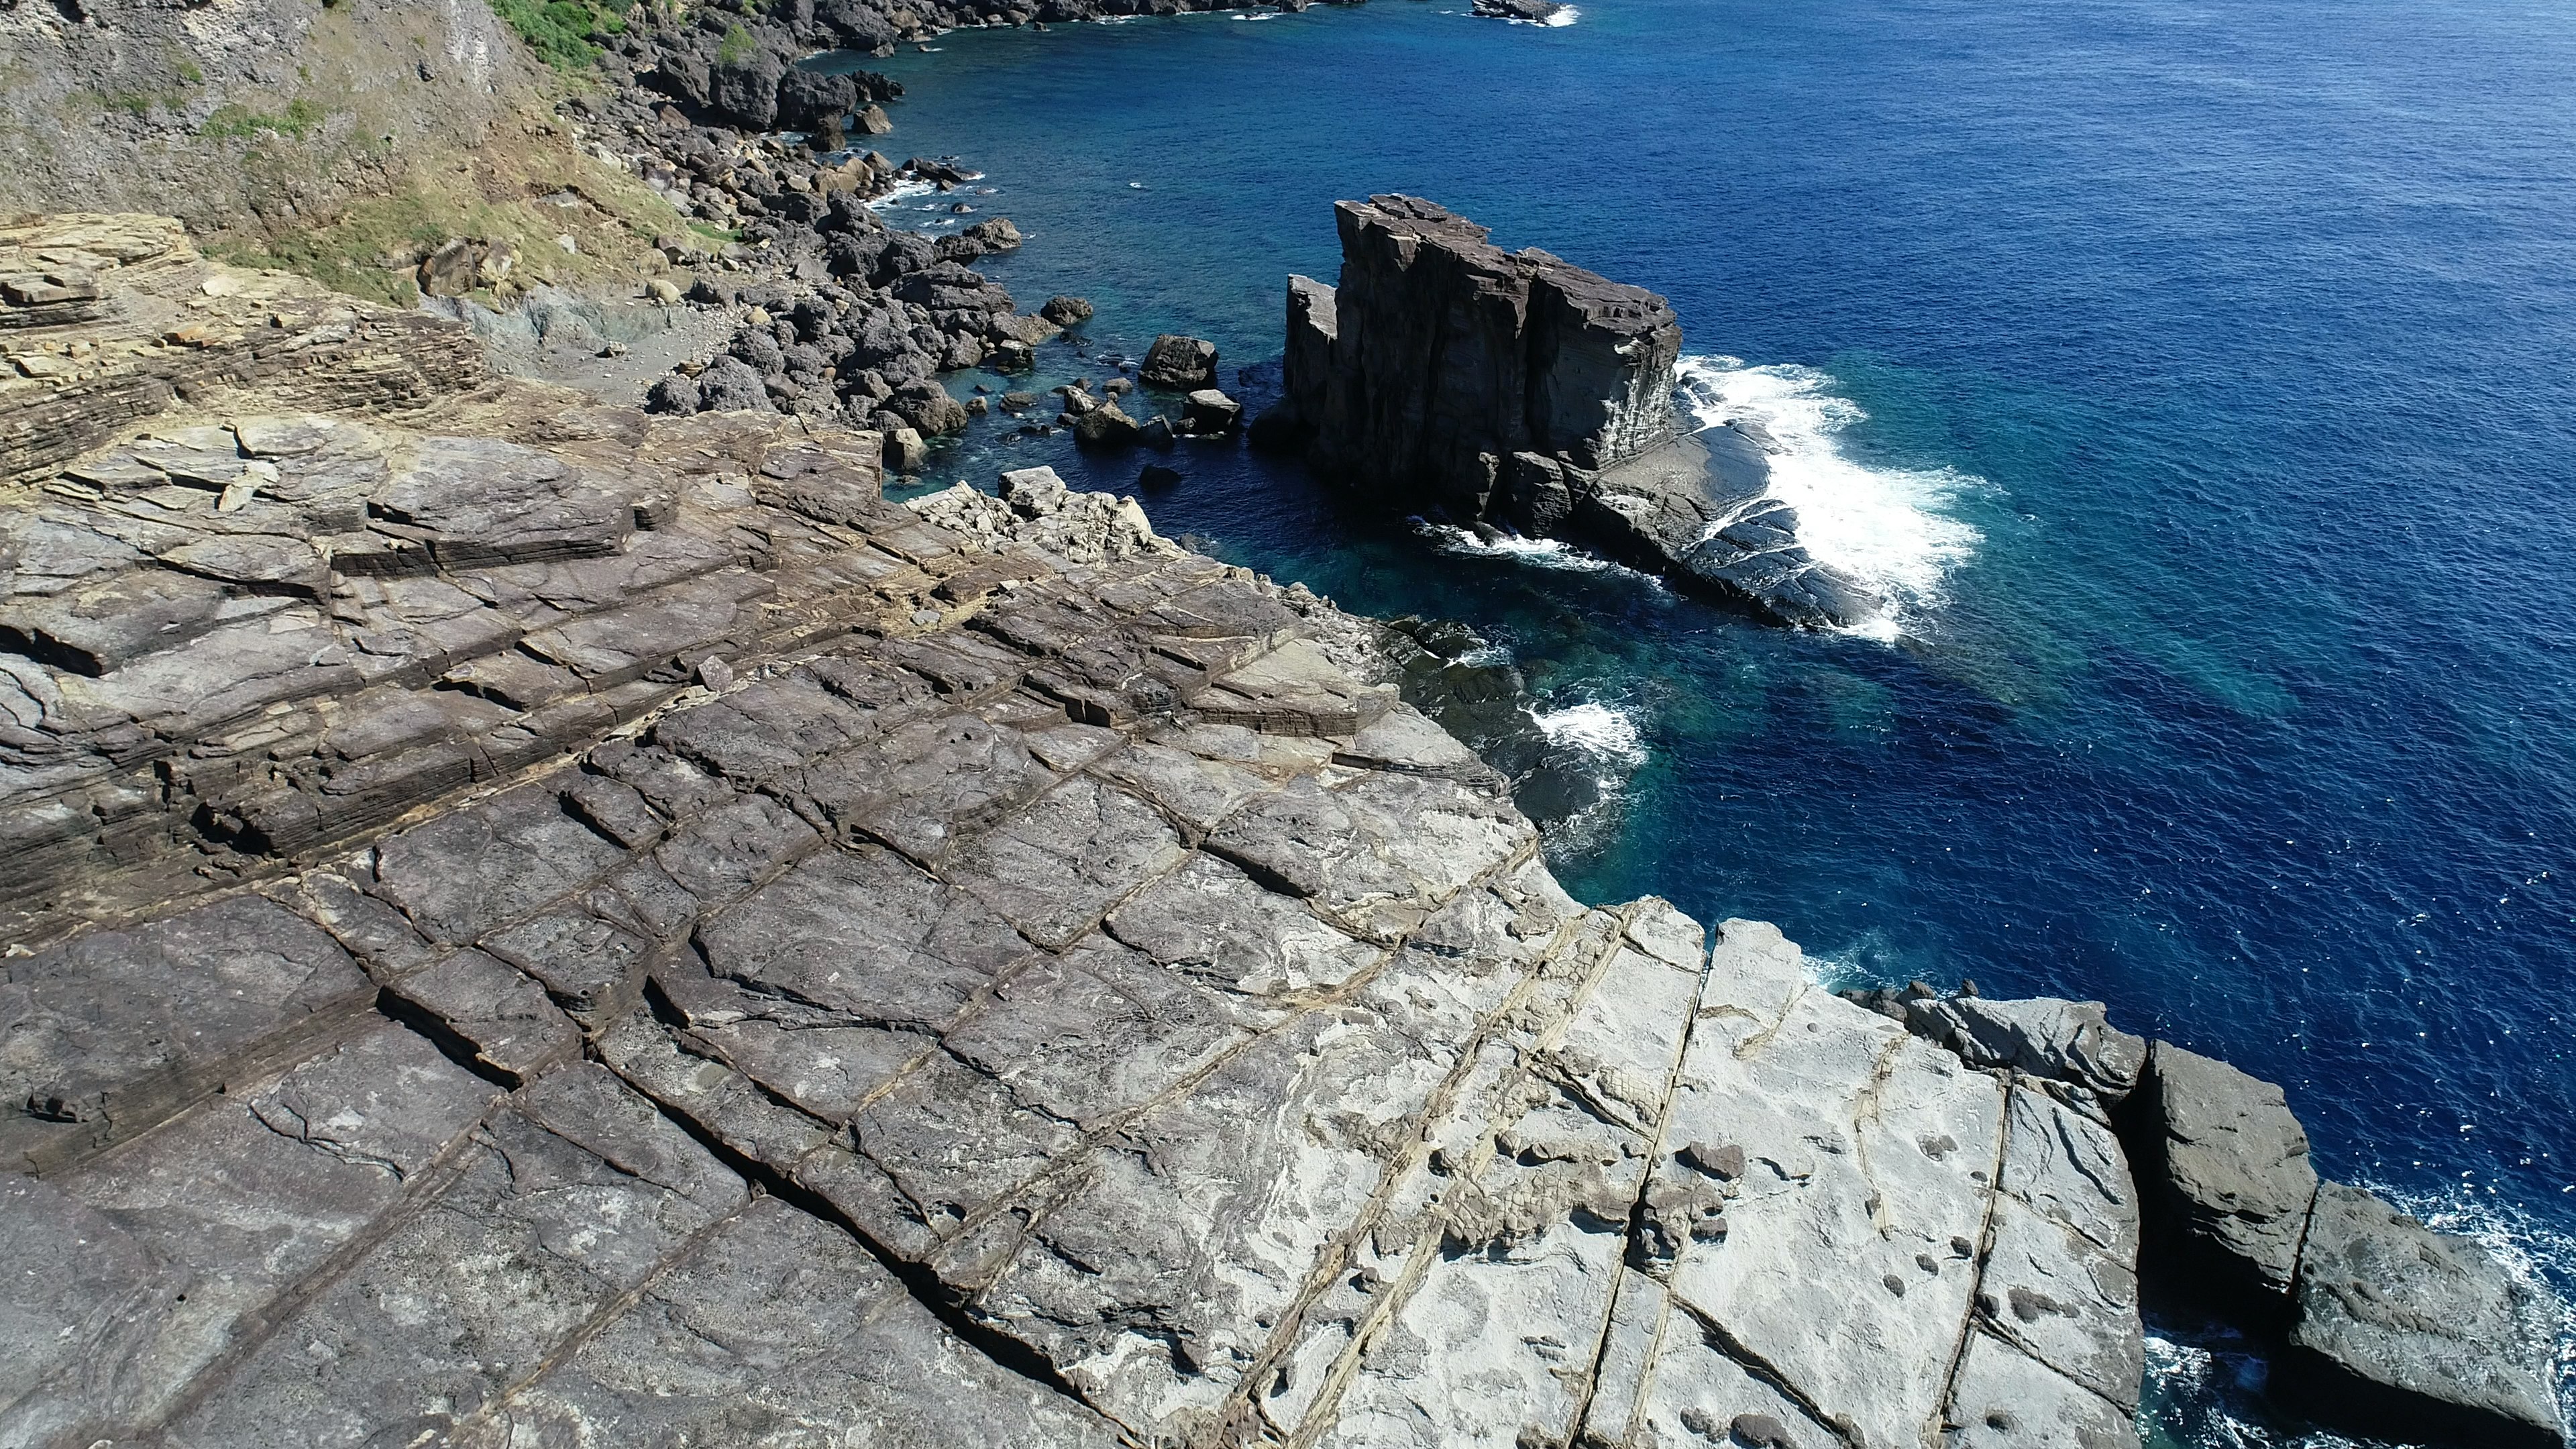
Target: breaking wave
1888, 527
1596, 729
1543, 553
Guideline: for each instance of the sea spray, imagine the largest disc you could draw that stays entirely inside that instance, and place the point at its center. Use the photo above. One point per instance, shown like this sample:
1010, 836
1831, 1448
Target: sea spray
1890, 527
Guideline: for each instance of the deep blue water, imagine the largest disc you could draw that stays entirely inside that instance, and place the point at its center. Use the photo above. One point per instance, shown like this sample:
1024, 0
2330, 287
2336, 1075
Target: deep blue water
2234, 349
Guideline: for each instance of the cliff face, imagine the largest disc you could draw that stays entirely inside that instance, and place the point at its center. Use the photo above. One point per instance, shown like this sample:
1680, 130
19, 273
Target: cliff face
1518, 389
1440, 356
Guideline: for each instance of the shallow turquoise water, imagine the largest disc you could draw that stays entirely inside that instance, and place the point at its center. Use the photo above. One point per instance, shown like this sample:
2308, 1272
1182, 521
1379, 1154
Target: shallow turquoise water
2209, 372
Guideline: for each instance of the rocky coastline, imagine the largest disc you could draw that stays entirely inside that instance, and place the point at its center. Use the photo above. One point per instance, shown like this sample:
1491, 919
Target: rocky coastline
537, 921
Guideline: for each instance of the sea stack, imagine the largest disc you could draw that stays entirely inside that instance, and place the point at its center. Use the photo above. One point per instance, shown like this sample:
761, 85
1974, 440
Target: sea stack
1517, 389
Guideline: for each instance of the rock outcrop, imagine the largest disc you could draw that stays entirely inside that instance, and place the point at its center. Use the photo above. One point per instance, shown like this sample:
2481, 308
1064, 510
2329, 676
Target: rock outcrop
2406, 1333
1450, 375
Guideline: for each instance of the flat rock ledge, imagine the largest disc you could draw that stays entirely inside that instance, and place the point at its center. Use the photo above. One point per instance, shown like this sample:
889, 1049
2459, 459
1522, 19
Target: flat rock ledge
536, 925
1516, 390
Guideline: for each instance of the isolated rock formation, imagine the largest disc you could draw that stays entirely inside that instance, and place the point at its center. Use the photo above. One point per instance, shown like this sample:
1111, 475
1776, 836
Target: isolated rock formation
1453, 376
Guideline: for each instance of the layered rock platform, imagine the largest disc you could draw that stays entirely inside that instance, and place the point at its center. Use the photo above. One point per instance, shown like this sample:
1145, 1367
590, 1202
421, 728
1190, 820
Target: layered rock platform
537, 924
1516, 389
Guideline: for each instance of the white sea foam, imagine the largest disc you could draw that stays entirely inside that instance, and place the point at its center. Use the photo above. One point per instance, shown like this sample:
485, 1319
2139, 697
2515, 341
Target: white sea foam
1543, 553
1599, 729
901, 193
1887, 526
1263, 15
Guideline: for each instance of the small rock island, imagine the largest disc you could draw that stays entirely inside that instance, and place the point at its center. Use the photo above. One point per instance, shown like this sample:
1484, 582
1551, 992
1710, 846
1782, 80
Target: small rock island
1519, 390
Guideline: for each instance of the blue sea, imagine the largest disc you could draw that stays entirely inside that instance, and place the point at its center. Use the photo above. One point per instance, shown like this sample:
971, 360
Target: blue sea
2201, 378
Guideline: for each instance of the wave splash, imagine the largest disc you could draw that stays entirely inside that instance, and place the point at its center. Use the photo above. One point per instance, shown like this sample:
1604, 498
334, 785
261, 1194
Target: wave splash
1596, 729
1887, 526
1544, 553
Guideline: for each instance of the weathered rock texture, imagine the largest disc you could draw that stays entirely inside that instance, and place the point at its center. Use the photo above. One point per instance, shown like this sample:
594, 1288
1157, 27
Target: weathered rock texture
1514, 387
539, 924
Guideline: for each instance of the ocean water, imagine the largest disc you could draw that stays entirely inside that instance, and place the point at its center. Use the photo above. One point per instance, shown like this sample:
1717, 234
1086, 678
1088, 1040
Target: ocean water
2200, 378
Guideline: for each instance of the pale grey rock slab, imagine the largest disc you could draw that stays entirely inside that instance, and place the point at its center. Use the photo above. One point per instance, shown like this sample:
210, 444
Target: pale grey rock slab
819, 1060
472, 1292
1870, 1154
502, 1015
1488, 1351
1360, 862
782, 1330
483, 501
953, 1142
2059, 1275
1197, 791
463, 874
1211, 921
1295, 689
865, 933
1402, 740
242, 1198
925, 784
2408, 1333
2005, 1399
1099, 1030
721, 853
724, 1104
2063, 1301
773, 728
2070, 1168
1701, 1386
589, 967
1161, 1278
1056, 868
1621, 1045
279, 656
114, 1030
73, 1318
670, 629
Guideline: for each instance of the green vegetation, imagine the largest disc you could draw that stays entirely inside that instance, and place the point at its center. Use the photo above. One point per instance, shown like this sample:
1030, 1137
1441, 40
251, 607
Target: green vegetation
241, 123
561, 31
736, 47
188, 72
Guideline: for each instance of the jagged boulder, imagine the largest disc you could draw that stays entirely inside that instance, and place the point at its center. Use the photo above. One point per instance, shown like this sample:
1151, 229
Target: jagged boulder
2224, 1172
2406, 1333
1179, 364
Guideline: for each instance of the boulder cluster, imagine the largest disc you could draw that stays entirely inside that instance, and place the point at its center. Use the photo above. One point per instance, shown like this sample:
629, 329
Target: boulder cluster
839, 316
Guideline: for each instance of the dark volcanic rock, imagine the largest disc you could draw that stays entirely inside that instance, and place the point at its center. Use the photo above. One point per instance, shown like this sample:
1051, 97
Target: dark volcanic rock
2406, 1333
1447, 374
2223, 1170
1179, 364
